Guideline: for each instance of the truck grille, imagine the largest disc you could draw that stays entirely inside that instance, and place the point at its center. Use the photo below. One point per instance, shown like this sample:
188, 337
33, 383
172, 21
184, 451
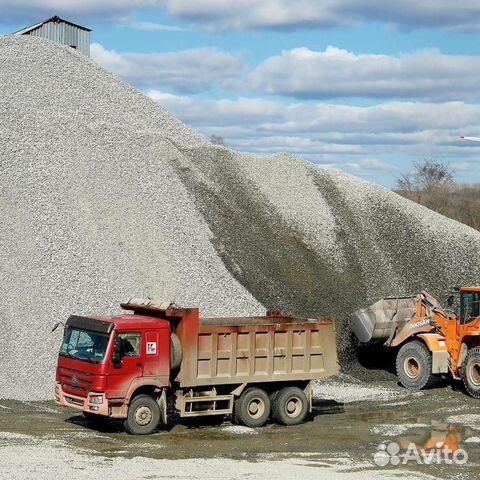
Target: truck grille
74, 382
75, 401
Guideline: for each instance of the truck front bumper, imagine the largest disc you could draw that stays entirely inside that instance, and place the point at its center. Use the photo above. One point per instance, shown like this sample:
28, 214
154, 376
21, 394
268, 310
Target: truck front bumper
94, 403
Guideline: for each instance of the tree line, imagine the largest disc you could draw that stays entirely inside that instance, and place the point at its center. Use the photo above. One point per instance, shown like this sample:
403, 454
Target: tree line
432, 184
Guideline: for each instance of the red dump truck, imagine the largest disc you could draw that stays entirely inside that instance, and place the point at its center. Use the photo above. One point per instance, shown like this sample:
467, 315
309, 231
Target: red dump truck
139, 366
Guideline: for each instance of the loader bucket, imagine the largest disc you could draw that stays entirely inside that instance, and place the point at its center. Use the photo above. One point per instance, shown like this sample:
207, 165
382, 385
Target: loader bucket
379, 321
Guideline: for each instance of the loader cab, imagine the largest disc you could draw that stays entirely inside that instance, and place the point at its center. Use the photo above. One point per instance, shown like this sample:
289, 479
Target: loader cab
469, 304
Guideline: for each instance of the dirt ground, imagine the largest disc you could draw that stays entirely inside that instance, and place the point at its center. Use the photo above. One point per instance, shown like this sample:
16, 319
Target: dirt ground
350, 424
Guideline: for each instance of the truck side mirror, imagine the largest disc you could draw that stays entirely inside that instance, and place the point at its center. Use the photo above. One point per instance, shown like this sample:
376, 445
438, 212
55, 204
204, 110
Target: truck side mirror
117, 351
450, 300
56, 326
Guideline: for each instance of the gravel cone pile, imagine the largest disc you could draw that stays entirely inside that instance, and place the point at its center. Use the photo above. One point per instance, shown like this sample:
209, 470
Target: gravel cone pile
104, 196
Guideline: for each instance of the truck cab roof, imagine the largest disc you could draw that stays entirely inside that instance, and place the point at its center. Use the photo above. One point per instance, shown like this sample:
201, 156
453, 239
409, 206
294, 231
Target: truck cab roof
106, 323
128, 321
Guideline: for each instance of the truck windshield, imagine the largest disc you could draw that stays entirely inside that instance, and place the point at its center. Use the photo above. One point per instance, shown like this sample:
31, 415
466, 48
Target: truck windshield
84, 345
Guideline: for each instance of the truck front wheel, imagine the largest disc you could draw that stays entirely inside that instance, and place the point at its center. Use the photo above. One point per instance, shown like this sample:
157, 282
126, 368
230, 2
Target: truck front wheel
290, 406
414, 366
252, 408
471, 372
143, 416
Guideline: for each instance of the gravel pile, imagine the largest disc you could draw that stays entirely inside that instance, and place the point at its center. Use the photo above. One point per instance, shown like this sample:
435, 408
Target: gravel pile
92, 210
105, 196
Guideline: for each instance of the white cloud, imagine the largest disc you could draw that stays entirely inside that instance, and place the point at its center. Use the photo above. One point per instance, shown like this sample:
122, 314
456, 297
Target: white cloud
266, 14
377, 165
282, 14
154, 27
73, 9
461, 166
394, 121
326, 133
187, 70
334, 72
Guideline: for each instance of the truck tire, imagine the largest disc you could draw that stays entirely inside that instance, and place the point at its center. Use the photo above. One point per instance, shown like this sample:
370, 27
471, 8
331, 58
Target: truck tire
414, 366
176, 352
290, 406
252, 408
143, 416
471, 372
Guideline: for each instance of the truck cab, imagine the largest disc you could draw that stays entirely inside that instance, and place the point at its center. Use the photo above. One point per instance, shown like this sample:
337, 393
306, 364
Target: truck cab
104, 360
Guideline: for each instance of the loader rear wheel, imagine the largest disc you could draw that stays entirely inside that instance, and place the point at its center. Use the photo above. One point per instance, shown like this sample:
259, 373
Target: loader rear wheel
252, 408
414, 366
471, 372
143, 416
290, 406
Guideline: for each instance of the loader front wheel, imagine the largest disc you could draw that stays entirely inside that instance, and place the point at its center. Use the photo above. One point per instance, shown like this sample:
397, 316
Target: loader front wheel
414, 366
471, 372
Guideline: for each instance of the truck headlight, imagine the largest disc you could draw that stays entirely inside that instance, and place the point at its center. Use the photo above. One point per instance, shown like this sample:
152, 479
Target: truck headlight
97, 399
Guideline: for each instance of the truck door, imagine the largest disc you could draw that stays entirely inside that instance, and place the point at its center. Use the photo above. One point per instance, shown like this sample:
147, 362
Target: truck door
156, 350
131, 365
151, 349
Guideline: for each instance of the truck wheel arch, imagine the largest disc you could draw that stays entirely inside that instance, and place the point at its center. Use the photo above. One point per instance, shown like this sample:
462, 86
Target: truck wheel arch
143, 386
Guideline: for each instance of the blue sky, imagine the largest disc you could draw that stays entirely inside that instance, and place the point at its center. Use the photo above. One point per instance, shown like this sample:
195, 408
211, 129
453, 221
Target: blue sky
356, 85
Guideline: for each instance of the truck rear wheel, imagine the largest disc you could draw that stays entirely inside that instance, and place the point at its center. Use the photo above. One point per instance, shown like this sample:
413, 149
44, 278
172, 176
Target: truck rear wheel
143, 416
290, 406
414, 366
471, 372
252, 408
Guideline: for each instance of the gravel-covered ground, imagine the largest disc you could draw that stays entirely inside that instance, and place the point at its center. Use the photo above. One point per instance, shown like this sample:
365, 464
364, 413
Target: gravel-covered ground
105, 196
351, 422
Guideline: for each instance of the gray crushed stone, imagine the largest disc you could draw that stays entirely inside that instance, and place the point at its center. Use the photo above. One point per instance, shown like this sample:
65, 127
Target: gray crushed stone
92, 211
105, 196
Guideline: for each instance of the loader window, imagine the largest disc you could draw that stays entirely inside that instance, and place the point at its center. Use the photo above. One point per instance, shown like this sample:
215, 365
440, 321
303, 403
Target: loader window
470, 308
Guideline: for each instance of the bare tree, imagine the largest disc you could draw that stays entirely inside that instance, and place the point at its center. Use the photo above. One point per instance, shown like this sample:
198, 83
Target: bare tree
427, 176
217, 139
431, 184
405, 183
431, 174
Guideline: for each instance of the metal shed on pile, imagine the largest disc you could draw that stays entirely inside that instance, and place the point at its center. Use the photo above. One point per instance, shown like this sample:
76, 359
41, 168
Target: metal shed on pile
61, 31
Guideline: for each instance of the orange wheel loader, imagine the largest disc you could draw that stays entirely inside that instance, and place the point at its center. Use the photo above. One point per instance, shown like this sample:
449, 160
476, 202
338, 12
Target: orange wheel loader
431, 341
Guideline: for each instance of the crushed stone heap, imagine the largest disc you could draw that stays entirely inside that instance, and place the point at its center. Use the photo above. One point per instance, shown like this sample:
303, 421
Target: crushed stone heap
104, 196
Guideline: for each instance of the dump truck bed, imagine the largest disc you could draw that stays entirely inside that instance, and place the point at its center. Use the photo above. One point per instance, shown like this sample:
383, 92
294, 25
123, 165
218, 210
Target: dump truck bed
256, 349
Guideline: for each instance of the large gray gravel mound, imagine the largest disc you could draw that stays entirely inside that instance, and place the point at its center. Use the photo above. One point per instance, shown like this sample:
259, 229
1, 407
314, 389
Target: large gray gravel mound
104, 196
